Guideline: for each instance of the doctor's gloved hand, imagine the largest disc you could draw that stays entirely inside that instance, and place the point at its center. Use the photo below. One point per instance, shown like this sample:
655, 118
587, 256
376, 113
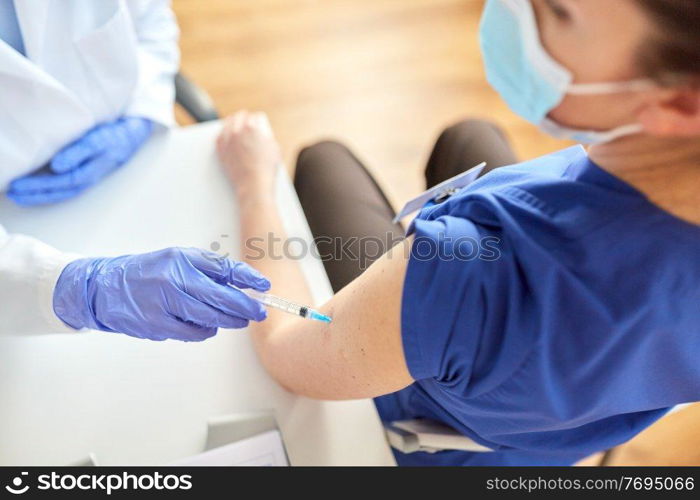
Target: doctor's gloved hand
83, 163
176, 293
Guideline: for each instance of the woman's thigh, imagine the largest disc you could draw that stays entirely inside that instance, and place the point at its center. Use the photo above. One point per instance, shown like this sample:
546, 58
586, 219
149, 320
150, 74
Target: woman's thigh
349, 215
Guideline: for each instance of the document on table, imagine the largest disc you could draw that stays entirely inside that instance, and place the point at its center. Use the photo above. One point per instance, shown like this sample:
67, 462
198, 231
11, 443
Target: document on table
263, 450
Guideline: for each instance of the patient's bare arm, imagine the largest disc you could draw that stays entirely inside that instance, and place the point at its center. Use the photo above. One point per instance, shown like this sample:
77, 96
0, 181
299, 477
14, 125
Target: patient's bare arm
360, 353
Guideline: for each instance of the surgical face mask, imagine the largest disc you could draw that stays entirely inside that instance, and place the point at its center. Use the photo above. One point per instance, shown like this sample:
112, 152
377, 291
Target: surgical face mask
530, 81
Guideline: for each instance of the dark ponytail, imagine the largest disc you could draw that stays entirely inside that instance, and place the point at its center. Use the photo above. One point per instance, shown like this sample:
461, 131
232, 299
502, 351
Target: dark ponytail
675, 51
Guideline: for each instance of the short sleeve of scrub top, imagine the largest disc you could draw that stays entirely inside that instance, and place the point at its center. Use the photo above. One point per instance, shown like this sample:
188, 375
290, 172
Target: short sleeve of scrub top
527, 324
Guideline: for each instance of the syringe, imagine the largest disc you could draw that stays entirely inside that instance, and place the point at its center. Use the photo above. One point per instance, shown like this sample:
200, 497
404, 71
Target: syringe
286, 306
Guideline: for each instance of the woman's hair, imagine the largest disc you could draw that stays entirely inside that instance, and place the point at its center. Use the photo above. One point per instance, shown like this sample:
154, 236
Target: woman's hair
675, 51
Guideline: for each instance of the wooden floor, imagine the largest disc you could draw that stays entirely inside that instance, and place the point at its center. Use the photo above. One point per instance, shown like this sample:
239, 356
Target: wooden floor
385, 77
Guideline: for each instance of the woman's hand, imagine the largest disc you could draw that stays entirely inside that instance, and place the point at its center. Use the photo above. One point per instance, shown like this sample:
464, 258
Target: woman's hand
249, 153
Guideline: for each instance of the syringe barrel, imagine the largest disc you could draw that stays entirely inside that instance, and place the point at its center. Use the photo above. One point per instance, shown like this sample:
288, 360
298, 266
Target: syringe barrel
278, 303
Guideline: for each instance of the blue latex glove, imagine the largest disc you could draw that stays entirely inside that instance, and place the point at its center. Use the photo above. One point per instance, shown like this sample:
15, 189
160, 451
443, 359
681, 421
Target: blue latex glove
177, 293
83, 163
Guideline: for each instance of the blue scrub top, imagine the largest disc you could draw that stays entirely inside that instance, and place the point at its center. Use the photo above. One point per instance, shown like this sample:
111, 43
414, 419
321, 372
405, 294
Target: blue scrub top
550, 311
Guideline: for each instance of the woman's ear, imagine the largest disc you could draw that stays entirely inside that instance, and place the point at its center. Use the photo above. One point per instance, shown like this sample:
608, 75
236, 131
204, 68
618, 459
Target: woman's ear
676, 113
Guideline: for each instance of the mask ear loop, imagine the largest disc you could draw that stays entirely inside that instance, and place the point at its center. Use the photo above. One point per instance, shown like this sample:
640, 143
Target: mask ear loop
638, 85
552, 128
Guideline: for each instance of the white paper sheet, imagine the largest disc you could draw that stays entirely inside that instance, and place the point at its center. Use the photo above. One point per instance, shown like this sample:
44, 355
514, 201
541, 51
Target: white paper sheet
263, 450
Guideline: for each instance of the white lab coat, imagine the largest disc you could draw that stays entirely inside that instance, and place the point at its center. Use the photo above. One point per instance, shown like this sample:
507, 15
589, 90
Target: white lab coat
87, 61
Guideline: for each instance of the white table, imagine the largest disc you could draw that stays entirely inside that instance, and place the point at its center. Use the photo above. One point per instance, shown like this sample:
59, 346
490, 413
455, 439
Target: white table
139, 402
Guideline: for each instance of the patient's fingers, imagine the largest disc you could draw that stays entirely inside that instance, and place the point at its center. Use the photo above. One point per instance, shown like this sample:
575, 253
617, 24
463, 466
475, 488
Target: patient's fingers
238, 120
232, 126
261, 122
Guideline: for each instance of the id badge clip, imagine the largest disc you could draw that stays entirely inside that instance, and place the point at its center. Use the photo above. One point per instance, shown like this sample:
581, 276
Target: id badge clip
441, 192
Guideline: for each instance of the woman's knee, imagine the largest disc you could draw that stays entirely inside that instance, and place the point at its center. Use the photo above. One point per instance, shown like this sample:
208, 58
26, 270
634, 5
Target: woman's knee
466, 144
320, 155
321, 162
472, 130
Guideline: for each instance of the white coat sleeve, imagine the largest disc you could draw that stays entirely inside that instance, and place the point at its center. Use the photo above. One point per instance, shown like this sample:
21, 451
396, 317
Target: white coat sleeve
29, 270
157, 35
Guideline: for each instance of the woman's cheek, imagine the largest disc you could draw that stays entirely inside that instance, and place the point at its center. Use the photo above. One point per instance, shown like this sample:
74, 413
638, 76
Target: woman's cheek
597, 112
